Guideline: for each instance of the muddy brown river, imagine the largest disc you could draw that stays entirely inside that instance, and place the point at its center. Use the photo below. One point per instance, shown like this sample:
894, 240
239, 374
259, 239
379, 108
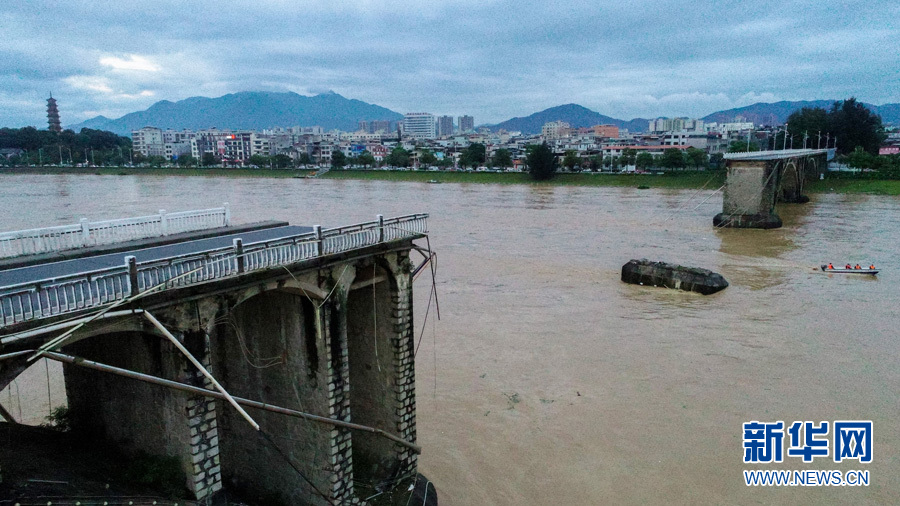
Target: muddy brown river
548, 381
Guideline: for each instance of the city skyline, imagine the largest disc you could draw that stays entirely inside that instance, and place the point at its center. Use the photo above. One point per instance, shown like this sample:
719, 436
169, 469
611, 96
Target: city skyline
645, 59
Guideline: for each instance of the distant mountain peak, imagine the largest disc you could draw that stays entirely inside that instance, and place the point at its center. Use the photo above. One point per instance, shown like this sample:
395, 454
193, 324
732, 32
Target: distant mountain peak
575, 115
252, 110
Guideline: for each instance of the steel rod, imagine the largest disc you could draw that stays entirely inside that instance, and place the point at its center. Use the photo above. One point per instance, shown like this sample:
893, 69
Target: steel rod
6, 416
90, 364
199, 366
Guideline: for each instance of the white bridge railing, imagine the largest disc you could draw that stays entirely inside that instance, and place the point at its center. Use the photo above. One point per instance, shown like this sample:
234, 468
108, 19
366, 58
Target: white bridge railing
84, 234
51, 297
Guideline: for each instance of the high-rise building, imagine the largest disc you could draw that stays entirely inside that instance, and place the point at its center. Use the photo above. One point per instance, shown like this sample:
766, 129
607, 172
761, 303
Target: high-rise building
445, 126
555, 129
382, 126
364, 126
53, 115
419, 125
466, 123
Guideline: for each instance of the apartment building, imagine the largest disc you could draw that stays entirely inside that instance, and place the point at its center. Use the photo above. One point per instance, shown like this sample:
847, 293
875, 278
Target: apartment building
419, 125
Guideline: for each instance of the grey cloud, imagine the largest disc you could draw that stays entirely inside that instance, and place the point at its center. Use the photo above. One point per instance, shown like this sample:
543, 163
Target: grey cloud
494, 60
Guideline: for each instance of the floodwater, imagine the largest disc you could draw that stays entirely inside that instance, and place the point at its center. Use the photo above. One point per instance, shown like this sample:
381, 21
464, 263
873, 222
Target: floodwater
548, 381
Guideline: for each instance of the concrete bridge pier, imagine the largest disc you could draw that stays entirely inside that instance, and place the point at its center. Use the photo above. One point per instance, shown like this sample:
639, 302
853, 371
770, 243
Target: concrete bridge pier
757, 180
749, 199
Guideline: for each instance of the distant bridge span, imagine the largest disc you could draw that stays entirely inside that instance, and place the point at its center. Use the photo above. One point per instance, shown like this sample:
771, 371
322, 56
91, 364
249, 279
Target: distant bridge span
757, 180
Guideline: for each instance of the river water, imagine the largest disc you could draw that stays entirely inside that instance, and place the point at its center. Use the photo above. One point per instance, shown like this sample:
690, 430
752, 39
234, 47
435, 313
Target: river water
547, 380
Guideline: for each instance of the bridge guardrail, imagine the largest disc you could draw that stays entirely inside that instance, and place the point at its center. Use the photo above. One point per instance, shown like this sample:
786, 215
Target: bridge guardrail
84, 233
51, 297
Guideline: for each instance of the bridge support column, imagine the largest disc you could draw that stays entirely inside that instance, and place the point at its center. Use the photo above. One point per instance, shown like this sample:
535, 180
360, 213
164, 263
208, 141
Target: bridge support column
750, 192
284, 348
382, 373
140, 418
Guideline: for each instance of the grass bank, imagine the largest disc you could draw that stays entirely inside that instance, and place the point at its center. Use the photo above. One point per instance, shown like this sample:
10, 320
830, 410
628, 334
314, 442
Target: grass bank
674, 180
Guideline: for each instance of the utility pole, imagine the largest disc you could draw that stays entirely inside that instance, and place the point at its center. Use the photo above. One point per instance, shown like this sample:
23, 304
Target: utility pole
819, 141
784, 145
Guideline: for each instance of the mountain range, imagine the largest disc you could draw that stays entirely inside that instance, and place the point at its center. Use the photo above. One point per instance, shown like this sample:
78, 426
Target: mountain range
250, 110
259, 110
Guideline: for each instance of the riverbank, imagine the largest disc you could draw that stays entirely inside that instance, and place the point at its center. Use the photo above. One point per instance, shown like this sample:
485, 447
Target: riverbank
673, 180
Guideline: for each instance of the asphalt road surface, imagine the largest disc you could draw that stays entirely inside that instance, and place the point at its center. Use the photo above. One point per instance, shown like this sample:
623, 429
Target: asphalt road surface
56, 269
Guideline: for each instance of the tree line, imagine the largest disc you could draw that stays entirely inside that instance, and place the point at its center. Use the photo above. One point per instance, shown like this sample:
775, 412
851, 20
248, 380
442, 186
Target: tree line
35, 147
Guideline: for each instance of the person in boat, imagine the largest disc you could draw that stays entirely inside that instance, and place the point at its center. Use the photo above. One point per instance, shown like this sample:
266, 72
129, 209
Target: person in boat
857, 267
847, 266
830, 267
872, 267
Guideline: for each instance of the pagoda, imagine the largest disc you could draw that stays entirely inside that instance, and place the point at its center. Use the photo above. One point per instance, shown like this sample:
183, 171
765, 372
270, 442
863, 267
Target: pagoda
53, 115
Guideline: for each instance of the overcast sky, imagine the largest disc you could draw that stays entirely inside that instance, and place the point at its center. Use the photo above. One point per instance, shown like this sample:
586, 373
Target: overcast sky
491, 59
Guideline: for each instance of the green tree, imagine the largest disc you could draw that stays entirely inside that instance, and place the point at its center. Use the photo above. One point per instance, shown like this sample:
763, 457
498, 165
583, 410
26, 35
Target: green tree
809, 121
282, 161
672, 158
398, 157
338, 159
717, 160
854, 125
366, 159
427, 158
157, 161
595, 162
741, 146
473, 156
207, 160
571, 159
643, 160
502, 158
186, 161
304, 159
541, 161
861, 159
628, 156
697, 157
259, 161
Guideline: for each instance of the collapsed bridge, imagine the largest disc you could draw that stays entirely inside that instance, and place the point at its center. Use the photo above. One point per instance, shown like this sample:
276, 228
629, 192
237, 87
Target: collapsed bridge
275, 359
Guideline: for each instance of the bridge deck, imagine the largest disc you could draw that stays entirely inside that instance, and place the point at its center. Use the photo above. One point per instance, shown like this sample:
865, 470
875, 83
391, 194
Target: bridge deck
778, 154
64, 268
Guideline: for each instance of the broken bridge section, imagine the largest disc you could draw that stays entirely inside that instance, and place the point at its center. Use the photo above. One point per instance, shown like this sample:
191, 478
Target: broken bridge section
757, 180
311, 336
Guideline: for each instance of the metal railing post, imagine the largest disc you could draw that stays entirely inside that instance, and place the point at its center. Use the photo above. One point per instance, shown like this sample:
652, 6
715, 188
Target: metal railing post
227, 215
239, 253
163, 222
131, 264
317, 229
380, 227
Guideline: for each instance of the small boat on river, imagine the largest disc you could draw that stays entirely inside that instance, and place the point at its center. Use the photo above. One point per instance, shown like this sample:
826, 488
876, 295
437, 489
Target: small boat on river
843, 270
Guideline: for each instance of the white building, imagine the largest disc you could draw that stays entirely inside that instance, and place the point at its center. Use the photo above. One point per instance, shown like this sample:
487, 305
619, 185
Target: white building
148, 141
555, 129
419, 125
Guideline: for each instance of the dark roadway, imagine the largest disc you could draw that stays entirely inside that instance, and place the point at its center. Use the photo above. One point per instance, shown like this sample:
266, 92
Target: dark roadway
56, 269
